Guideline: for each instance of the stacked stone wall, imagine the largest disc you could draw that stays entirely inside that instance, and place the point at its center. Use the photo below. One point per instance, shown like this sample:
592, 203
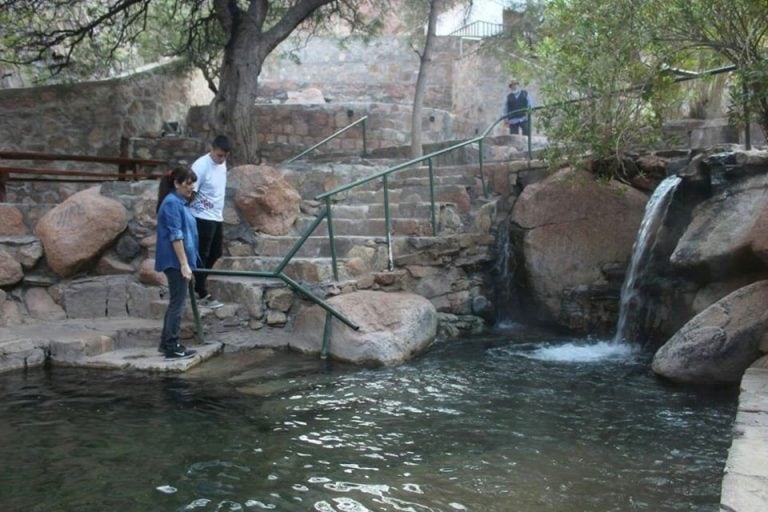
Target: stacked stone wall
95, 118
382, 70
286, 130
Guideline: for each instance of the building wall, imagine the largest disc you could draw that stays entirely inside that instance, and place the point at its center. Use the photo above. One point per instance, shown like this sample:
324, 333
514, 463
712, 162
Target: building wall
94, 118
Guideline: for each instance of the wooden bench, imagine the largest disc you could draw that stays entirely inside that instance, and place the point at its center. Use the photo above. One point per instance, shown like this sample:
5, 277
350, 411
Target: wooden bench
137, 166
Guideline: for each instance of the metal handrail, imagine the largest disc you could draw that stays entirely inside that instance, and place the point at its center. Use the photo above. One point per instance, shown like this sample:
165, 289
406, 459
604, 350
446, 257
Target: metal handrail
278, 273
331, 137
478, 29
383, 175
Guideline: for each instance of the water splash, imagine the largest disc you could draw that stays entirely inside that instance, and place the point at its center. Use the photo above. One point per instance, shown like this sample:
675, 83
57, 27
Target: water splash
655, 212
585, 353
579, 351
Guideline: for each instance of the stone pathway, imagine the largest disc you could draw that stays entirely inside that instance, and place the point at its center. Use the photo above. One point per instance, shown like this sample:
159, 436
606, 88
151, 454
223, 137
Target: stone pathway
108, 343
745, 479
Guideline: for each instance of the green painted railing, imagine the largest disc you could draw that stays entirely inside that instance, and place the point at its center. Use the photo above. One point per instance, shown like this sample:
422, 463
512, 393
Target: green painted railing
327, 214
362, 121
384, 176
278, 273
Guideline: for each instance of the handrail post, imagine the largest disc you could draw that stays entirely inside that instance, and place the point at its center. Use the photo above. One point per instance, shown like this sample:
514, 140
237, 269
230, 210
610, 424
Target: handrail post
747, 122
326, 335
388, 225
196, 313
331, 241
432, 197
365, 147
530, 134
482, 173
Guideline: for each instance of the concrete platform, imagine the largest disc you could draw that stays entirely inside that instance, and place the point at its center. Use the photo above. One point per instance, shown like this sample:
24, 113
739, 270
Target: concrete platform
148, 359
745, 479
109, 343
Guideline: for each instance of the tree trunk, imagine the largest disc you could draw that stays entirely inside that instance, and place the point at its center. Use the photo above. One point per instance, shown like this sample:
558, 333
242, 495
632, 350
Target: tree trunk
425, 59
232, 109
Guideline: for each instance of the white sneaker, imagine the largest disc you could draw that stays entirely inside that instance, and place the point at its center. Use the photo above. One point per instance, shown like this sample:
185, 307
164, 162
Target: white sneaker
209, 302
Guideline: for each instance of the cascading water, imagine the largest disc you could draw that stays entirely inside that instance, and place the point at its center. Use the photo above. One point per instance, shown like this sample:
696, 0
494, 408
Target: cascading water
502, 275
655, 212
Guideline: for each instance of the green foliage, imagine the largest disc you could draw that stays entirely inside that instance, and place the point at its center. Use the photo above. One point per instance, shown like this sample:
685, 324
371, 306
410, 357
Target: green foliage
605, 68
71, 40
599, 69
735, 31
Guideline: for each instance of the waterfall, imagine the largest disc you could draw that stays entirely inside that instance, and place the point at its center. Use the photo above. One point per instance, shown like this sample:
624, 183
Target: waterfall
503, 276
655, 212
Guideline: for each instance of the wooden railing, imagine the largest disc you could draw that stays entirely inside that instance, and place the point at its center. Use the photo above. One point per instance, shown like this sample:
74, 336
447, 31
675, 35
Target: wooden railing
137, 167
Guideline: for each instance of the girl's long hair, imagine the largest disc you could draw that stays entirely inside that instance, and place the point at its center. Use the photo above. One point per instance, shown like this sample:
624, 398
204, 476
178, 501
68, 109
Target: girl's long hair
170, 179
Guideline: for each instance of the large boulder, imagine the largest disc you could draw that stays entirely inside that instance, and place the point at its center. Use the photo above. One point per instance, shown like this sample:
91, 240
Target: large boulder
11, 221
264, 199
76, 231
576, 231
720, 343
729, 232
10, 269
393, 327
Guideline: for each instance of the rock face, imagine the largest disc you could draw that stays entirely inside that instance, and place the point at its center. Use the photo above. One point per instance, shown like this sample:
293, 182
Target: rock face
575, 229
393, 327
10, 269
77, 230
729, 232
720, 343
264, 199
11, 221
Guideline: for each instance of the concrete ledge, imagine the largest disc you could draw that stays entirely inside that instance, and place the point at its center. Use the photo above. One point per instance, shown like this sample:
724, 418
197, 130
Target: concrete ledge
745, 482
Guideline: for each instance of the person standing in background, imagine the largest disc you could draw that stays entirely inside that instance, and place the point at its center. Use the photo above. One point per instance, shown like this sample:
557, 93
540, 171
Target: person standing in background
515, 108
208, 210
175, 253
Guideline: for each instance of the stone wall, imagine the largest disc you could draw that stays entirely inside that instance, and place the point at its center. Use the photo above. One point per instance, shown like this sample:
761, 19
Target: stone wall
383, 70
286, 130
94, 118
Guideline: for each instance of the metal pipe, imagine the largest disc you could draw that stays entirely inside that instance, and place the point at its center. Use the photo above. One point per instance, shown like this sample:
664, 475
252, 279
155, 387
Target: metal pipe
388, 224
296, 286
326, 336
331, 240
747, 116
432, 197
482, 173
195, 313
297, 246
330, 137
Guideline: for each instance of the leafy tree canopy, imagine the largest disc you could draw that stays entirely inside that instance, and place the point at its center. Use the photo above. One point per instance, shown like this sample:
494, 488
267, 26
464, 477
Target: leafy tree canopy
227, 39
607, 67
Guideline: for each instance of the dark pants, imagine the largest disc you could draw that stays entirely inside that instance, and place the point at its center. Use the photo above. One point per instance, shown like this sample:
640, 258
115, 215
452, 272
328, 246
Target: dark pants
177, 287
210, 235
514, 128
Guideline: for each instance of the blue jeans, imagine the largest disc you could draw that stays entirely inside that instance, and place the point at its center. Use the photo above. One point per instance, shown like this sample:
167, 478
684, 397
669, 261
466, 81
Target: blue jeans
177, 287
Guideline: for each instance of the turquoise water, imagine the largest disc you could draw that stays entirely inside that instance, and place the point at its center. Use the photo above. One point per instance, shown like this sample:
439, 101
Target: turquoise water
509, 422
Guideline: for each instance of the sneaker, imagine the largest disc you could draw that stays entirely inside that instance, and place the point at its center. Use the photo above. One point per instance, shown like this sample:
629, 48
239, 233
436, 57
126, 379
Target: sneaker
180, 353
209, 302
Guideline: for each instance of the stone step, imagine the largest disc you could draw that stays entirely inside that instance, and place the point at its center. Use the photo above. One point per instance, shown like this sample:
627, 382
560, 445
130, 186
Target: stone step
423, 181
407, 194
314, 246
369, 226
115, 343
411, 209
301, 269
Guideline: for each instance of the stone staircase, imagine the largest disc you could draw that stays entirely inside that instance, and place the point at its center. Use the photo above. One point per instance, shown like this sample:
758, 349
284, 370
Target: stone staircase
359, 223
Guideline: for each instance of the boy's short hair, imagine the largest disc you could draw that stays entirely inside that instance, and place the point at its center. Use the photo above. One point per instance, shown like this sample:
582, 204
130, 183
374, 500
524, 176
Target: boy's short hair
222, 142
